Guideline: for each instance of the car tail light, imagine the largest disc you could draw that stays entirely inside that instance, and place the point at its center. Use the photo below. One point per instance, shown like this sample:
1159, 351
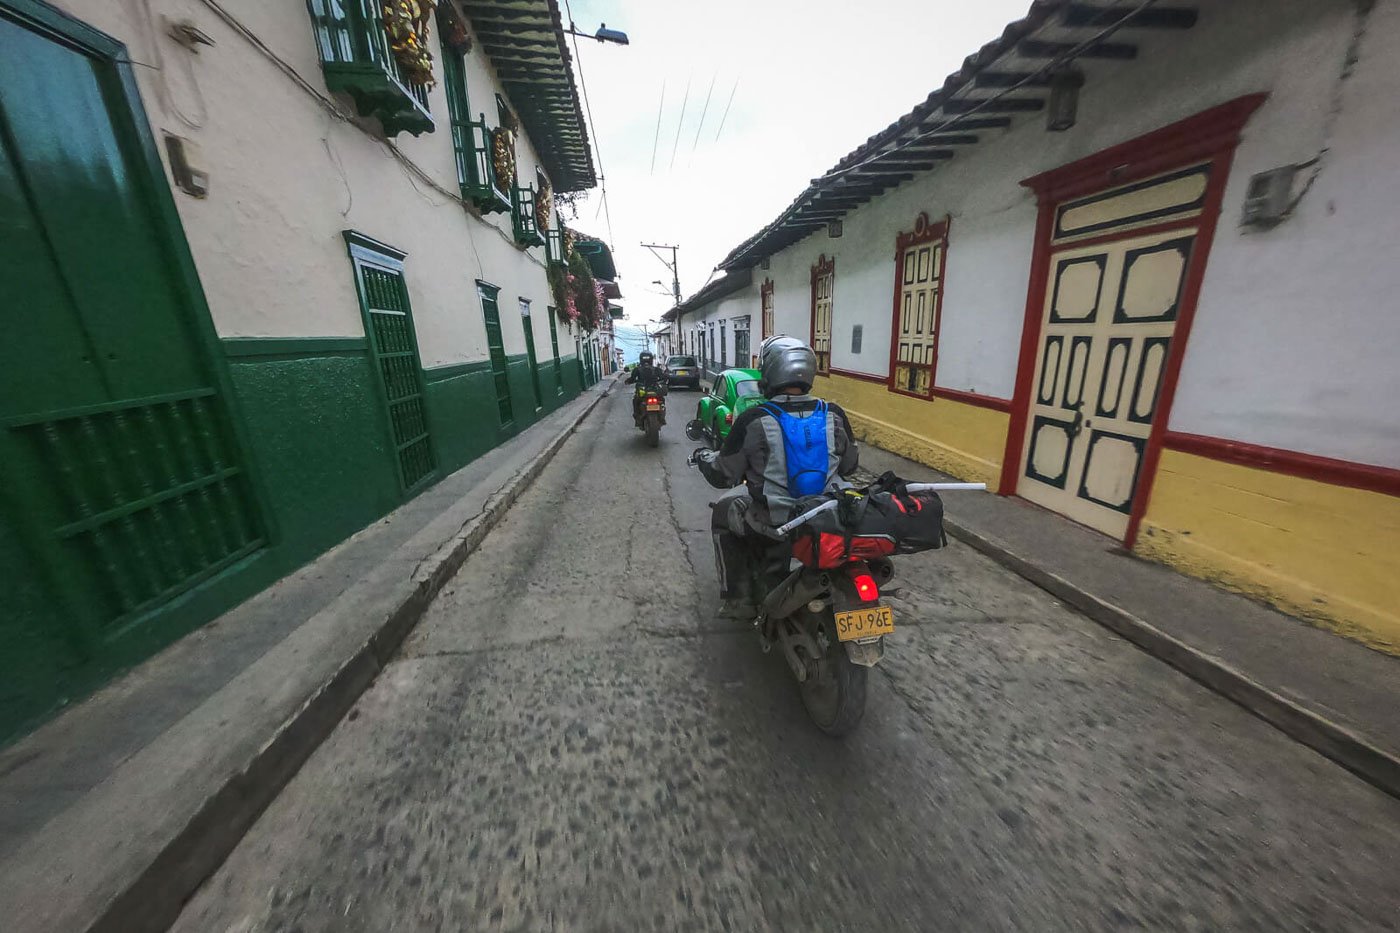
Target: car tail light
865, 586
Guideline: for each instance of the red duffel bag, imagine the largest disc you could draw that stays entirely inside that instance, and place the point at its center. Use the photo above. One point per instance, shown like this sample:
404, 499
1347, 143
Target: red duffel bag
885, 519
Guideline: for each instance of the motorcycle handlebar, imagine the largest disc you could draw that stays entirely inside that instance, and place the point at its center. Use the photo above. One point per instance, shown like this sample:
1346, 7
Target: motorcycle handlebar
830, 504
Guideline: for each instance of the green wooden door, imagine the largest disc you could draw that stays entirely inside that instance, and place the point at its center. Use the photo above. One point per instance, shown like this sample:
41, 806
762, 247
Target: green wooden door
530, 353
554, 345
123, 486
496, 343
394, 346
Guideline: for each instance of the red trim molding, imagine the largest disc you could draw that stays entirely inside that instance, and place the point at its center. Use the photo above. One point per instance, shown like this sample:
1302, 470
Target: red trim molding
1289, 462
973, 398
765, 293
1211, 134
1196, 138
821, 267
852, 374
923, 232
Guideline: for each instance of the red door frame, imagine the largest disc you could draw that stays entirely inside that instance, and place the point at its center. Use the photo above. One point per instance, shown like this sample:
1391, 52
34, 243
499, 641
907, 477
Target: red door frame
1210, 135
765, 291
923, 232
822, 267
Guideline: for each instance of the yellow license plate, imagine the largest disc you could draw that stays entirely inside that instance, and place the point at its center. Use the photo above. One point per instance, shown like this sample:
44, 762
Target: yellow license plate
864, 623
682, 372
653, 406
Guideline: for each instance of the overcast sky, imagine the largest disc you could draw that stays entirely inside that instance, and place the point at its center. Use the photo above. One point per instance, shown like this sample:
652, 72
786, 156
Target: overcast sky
811, 80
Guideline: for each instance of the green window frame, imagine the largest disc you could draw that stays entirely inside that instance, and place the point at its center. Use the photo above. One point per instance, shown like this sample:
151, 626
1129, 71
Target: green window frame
495, 342
554, 345
471, 140
393, 346
527, 231
356, 60
554, 246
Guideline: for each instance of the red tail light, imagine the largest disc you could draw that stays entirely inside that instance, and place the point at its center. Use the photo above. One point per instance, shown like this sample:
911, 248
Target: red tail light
729, 418
866, 588
652, 398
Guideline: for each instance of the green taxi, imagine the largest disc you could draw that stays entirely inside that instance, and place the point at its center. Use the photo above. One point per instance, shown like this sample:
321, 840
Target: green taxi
734, 391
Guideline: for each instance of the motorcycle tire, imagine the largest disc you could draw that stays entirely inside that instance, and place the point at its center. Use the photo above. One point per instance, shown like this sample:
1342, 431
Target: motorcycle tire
654, 431
835, 702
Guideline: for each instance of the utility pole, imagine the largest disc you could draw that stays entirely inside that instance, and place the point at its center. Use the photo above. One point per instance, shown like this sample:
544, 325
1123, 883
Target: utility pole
673, 266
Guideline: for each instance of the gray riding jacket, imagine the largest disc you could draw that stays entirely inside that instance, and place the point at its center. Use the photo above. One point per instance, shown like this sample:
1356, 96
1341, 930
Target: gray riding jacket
753, 454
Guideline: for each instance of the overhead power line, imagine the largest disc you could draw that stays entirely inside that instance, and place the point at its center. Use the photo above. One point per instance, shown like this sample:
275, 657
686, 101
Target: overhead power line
680, 123
660, 108
726, 109
704, 110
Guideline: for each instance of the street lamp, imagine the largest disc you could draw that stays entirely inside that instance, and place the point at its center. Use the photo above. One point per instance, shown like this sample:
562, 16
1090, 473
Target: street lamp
604, 34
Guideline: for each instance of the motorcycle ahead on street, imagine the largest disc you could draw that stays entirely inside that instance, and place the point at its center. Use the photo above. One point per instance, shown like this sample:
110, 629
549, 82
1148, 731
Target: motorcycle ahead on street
821, 581
649, 412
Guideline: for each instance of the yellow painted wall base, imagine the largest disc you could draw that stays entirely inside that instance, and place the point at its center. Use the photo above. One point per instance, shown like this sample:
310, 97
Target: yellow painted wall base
966, 441
1330, 554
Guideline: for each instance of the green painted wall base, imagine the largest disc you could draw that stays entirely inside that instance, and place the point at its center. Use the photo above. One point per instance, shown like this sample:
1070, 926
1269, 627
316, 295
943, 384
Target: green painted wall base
320, 449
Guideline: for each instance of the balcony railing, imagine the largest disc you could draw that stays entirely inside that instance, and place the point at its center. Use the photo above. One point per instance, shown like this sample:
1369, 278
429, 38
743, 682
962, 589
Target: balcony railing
356, 60
472, 141
527, 230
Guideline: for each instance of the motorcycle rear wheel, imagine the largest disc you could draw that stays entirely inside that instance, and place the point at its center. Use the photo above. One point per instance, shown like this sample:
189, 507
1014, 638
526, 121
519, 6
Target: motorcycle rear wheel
653, 430
835, 697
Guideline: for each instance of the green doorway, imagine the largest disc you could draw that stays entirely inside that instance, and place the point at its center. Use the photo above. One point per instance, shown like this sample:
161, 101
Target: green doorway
122, 482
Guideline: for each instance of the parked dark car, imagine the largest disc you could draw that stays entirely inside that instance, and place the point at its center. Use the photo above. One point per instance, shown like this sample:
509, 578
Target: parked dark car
683, 371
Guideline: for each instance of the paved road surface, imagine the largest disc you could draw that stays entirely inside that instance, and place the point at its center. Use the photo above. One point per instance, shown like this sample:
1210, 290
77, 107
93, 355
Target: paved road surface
571, 741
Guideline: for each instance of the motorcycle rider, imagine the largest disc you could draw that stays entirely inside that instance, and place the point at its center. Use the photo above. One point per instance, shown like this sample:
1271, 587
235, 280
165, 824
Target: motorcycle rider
794, 439
646, 375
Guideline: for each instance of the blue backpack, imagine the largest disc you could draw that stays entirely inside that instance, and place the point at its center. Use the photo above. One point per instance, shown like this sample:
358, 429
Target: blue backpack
804, 443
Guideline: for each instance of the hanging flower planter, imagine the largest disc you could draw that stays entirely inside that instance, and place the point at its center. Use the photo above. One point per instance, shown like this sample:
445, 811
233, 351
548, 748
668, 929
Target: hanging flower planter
454, 31
406, 24
544, 205
503, 157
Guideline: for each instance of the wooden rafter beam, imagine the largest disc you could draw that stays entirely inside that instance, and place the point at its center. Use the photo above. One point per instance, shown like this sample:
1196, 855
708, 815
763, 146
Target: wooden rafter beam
1036, 48
1089, 15
993, 105
1005, 79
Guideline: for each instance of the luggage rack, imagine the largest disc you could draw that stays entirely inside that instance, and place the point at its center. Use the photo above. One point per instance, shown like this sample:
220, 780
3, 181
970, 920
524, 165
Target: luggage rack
805, 517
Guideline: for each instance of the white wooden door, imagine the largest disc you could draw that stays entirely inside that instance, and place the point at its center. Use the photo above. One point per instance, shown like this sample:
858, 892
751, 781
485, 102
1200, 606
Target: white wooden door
1109, 317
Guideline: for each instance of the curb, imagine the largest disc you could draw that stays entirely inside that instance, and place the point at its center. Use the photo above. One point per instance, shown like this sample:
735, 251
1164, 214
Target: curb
1349, 749
153, 901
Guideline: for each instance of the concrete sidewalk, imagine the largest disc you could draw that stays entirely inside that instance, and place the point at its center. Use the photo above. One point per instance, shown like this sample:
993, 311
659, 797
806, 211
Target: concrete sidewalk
1333, 694
112, 814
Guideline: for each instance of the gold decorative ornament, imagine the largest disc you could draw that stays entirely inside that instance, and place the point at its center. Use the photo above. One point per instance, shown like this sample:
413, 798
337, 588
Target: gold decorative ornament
406, 25
544, 205
503, 157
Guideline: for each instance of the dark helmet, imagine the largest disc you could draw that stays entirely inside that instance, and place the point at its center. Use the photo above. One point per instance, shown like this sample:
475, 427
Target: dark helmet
786, 361
646, 359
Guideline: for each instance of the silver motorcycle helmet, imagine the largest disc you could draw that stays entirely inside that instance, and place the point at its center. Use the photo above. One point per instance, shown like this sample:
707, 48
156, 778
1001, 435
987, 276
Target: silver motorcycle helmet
773, 343
791, 363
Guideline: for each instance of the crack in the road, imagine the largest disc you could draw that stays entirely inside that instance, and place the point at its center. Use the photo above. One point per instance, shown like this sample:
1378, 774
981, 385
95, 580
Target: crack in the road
675, 519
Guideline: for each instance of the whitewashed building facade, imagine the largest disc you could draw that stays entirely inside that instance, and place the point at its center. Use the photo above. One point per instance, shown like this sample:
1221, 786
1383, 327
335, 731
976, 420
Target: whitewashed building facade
1171, 320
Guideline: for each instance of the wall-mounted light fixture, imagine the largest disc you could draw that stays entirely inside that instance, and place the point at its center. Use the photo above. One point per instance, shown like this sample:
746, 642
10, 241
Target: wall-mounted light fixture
604, 34
833, 228
1063, 108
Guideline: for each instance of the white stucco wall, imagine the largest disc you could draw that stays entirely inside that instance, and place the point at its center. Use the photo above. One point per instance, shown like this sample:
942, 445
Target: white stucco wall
1293, 340
286, 178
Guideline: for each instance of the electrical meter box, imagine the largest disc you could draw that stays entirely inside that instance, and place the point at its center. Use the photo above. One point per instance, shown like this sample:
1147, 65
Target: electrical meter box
1267, 199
